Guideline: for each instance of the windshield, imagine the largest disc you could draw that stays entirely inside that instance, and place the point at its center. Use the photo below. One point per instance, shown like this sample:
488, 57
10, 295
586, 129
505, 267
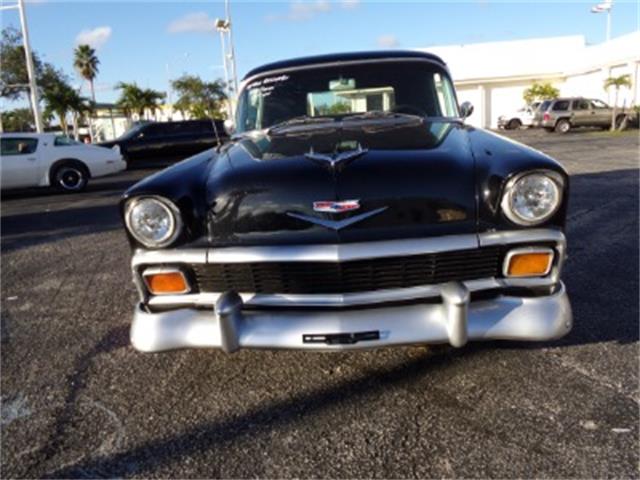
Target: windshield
132, 132
417, 88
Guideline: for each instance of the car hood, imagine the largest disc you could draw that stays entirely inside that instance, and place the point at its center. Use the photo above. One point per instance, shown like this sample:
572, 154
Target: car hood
386, 179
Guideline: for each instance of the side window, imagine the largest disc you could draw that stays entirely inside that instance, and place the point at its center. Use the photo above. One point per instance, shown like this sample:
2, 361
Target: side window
599, 104
580, 105
561, 106
155, 130
18, 146
203, 127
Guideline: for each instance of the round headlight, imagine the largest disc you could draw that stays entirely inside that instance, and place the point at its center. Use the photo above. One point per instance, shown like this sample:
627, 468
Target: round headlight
155, 222
532, 198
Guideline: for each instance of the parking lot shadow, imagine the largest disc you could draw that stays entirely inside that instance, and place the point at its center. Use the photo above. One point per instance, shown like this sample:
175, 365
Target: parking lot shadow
145, 458
28, 229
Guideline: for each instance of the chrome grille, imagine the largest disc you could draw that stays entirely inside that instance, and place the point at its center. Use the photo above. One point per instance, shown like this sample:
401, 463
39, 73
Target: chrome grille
351, 276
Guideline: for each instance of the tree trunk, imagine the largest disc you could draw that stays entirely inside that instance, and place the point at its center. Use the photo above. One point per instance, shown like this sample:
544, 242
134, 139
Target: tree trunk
74, 125
63, 122
614, 111
90, 115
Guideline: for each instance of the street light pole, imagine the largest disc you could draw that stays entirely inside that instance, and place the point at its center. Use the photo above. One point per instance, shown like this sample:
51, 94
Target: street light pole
33, 87
228, 59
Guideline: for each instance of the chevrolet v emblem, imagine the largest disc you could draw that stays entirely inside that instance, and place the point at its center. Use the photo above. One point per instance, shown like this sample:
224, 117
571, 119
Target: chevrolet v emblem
337, 224
337, 159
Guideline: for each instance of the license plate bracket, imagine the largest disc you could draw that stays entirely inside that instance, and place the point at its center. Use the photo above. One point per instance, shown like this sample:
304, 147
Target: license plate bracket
341, 338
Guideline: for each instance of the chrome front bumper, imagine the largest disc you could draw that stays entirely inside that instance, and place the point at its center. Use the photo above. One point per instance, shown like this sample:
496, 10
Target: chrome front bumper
455, 320
442, 313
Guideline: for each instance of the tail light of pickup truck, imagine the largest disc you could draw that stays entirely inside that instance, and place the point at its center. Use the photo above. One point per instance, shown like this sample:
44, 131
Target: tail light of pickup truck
546, 117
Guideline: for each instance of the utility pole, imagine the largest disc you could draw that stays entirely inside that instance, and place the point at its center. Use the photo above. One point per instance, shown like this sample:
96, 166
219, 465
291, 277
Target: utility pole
223, 26
33, 87
605, 6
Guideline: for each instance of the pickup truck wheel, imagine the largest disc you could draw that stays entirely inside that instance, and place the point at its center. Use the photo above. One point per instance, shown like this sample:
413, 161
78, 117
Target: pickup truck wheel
514, 124
70, 177
563, 126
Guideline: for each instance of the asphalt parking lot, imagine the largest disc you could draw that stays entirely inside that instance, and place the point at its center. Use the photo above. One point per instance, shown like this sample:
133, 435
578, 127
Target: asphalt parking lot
78, 401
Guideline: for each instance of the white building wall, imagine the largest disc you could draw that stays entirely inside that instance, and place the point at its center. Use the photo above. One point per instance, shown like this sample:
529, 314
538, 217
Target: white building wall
495, 84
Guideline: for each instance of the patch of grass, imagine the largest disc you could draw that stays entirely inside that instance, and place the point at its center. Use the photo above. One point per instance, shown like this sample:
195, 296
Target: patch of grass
615, 133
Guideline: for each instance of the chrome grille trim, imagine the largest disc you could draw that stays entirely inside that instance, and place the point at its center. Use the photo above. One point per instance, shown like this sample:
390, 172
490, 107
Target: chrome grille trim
339, 253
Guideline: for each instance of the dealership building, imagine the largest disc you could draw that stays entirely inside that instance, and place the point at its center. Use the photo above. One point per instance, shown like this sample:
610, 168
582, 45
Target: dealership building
494, 75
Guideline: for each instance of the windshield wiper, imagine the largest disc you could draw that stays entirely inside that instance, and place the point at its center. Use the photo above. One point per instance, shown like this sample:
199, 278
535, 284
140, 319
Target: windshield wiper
380, 114
301, 120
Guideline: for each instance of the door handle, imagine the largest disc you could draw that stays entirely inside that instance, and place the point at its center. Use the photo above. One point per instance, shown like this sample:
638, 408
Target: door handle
32, 159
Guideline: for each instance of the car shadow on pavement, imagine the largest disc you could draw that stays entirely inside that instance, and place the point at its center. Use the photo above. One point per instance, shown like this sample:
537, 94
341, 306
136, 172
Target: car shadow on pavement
212, 435
112, 340
28, 229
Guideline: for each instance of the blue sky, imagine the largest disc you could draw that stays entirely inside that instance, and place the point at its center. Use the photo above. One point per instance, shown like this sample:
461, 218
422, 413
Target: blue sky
149, 41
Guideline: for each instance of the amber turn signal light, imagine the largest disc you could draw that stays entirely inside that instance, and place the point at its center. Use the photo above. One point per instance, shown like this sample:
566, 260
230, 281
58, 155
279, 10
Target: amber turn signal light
525, 263
165, 283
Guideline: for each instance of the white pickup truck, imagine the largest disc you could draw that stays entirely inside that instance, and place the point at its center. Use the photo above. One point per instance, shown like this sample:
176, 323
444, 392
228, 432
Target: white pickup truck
48, 159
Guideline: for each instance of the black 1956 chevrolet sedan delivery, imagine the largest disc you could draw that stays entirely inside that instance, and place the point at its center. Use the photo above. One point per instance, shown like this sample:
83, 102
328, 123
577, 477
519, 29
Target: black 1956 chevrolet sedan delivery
353, 208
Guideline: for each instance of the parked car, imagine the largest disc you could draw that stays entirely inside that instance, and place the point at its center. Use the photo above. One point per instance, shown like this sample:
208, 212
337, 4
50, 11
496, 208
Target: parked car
48, 159
168, 140
523, 117
353, 208
563, 114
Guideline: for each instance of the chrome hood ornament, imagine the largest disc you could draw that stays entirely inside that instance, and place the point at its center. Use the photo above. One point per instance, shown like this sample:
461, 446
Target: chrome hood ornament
336, 159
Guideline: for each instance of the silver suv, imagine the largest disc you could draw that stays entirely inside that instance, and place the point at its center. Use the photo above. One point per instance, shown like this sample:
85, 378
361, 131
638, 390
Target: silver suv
563, 114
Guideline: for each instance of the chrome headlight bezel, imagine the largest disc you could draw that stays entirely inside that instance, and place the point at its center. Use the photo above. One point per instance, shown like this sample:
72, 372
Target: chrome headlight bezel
172, 211
511, 189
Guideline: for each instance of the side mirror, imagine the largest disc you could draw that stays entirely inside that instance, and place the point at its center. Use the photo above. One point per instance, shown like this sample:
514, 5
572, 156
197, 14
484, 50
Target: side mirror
466, 109
23, 148
229, 126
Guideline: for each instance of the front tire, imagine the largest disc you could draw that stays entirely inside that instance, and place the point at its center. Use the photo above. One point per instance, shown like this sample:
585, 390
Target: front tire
514, 124
70, 177
563, 126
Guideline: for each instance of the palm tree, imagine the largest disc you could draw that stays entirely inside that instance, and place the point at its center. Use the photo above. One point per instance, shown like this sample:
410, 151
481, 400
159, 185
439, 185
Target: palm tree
79, 107
134, 99
131, 98
617, 83
61, 99
86, 63
151, 99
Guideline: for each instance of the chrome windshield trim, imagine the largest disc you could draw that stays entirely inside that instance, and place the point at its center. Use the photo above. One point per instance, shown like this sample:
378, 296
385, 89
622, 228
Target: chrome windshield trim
342, 252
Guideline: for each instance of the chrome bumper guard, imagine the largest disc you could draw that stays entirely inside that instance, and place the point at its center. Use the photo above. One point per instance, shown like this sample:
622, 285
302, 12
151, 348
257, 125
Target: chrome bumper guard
440, 313
453, 321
